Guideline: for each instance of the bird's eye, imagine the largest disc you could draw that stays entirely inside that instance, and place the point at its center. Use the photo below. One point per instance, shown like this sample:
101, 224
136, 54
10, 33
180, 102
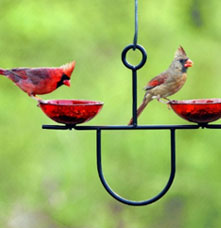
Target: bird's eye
182, 61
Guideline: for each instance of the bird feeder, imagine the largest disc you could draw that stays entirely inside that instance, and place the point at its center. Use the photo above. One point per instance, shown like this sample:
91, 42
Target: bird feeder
73, 112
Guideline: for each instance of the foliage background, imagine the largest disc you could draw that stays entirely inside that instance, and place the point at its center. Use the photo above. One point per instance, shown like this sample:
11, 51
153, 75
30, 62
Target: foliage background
49, 178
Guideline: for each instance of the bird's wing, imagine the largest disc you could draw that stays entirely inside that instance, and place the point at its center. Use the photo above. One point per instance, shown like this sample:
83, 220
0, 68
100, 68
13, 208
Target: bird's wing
36, 75
156, 81
18, 72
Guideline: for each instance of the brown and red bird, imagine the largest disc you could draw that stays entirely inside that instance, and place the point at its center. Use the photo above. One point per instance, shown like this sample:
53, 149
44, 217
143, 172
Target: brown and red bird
40, 80
168, 82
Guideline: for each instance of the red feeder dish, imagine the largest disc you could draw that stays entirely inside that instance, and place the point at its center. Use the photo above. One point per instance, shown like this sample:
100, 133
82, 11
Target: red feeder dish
199, 110
70, 111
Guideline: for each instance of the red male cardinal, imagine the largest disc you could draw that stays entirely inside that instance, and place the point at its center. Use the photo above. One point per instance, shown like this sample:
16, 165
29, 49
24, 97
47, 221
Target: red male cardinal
40, 80
168, 82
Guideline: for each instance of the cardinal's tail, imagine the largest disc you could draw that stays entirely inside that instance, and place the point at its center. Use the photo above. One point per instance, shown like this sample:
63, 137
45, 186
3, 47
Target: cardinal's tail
146, 100
2, 71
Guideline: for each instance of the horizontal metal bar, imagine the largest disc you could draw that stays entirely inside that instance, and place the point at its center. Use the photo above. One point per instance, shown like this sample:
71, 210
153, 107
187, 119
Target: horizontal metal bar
213, 126
57, 127
139, 127
121, 127
130, 127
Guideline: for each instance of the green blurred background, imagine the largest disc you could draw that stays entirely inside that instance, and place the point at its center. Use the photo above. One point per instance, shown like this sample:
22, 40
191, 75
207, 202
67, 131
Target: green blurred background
49, 178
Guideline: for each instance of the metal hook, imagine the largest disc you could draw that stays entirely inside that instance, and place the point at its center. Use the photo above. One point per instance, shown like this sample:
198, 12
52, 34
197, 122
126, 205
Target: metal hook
130, 202
143, 60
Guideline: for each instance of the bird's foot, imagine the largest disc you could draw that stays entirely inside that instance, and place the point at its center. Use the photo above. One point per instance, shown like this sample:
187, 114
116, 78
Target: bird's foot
164, 102
36, 97
168, 103
158, 98
168, 106
167, 99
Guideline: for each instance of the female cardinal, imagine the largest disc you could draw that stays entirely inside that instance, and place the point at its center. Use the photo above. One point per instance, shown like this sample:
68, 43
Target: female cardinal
168, 82
40, 80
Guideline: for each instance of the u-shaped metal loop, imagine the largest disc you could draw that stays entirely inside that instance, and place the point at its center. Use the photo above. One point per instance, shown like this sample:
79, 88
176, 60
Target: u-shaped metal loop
130, 202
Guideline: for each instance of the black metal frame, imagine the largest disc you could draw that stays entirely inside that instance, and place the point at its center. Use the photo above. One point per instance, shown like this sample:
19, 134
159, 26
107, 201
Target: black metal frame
134, 126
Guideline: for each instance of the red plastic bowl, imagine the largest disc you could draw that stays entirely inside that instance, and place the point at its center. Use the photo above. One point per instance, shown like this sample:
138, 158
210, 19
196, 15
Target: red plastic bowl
70, 111
199, 110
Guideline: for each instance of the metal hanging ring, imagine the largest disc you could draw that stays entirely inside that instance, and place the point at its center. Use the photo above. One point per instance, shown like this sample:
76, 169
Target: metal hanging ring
124, 54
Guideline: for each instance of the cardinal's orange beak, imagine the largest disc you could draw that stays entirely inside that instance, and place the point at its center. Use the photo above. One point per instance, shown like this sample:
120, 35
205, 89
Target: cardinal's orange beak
67, 83
188, 63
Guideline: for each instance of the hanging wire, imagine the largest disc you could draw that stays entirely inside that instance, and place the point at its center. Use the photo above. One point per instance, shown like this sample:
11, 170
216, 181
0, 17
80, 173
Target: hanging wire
136, 26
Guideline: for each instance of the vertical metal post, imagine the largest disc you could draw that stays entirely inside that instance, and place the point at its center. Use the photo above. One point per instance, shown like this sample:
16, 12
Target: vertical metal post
134, 110
173, 153
99, 164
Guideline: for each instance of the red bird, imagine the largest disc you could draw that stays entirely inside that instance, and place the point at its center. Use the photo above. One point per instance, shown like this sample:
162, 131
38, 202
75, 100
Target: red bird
168, 82
40, 80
